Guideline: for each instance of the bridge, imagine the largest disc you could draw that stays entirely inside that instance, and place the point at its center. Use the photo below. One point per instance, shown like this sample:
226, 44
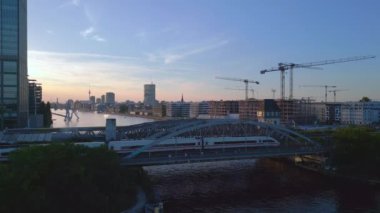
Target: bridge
291, 142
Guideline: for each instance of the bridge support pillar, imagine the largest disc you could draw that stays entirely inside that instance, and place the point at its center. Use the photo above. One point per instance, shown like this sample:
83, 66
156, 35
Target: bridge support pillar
110, 130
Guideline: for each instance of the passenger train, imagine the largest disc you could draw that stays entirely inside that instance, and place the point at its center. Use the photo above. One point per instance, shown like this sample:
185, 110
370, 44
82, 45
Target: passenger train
175, 144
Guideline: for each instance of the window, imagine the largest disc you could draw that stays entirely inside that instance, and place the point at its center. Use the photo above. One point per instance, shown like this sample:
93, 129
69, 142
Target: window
10, 66
10, 80
9, 92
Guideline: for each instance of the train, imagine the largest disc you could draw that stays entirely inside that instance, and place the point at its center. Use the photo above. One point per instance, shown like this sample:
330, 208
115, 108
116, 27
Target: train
174, 144
204, 143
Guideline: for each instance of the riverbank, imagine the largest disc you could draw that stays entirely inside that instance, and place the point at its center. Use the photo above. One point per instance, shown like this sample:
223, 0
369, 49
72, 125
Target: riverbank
335, 175
317, 168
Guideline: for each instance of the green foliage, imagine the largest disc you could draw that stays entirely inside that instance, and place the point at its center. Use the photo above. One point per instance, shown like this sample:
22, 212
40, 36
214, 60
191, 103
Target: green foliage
357, 151
123, 108
365, 99
66, 178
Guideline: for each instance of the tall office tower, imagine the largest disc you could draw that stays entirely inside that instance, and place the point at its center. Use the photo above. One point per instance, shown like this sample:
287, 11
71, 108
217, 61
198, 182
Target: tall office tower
149, 94
103, 99
13, 63
110, 98
35, 97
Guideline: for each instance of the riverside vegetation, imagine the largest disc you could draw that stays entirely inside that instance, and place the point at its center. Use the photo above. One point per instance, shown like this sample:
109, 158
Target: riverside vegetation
356, 152
67, 178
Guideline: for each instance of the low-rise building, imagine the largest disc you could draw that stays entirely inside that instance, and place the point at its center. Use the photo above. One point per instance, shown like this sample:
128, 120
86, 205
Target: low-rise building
159, 110
360, 113
178, 109
199, 109
327, 113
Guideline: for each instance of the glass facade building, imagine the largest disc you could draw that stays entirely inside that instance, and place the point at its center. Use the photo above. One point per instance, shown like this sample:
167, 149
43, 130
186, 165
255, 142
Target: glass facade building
13, 63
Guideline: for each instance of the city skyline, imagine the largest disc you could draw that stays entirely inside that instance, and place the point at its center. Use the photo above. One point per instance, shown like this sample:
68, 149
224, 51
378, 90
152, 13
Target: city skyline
181, 46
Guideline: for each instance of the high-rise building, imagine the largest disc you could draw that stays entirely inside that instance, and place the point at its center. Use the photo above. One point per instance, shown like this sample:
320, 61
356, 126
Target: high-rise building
92, 99
149, 94
35, 97
103, 99
110, 98
13, 63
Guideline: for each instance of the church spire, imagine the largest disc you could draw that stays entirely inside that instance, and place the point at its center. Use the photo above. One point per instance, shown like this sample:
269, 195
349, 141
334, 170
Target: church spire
182, 98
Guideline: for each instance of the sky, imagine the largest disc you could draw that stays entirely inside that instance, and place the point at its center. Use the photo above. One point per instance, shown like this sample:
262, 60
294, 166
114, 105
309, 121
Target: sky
181, 46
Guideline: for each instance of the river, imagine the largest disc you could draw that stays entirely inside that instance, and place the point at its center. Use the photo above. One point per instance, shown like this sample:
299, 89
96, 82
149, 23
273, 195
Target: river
256, 186
243, 186
94, 119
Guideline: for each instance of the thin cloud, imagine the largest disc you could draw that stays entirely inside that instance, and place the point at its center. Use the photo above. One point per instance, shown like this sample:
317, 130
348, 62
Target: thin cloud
67, 74
89, 15
169, 58
90, 33
85, 33
98, 38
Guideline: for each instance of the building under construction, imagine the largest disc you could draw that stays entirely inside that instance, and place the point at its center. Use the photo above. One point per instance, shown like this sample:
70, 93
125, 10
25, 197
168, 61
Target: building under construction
222, 109
296, 111
248, 109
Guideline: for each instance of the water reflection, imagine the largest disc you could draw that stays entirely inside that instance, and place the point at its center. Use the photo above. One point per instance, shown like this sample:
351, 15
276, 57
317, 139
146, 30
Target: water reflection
250, 186
94, 119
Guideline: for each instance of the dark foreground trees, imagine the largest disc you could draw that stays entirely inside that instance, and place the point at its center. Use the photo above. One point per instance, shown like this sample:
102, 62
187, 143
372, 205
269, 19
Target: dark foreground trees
67, 178
357, 151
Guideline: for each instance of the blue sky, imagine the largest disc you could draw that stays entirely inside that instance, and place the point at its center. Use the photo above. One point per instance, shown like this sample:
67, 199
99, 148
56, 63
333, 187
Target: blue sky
181, 45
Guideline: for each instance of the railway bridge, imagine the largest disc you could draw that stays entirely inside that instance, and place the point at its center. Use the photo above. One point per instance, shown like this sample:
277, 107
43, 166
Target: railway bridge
291, 143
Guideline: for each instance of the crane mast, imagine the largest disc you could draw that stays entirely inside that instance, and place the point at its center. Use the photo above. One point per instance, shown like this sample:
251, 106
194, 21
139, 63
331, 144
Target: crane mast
282, 67
336, 90
246, 82
325, 86
241, 89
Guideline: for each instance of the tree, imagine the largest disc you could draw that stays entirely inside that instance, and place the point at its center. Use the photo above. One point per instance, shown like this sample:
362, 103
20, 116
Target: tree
365, 99
123, 108
357, 151
66, 178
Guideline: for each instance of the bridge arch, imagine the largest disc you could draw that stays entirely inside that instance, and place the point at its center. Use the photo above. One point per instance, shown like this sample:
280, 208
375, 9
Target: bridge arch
167, 130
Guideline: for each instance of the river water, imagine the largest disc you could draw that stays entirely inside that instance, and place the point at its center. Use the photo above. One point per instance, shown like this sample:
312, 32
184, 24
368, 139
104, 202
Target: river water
256, 186
243, 186
94, 119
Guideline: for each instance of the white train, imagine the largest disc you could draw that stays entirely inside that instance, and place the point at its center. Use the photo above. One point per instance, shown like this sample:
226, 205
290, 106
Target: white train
174, 144
195, 143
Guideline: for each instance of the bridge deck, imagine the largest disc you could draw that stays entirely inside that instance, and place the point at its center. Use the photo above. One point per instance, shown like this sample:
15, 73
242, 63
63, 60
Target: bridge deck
220, 155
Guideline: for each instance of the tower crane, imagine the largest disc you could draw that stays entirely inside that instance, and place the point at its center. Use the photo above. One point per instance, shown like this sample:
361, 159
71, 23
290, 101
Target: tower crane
246, 82
325, 86
241, 89
337, 90
282, 67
